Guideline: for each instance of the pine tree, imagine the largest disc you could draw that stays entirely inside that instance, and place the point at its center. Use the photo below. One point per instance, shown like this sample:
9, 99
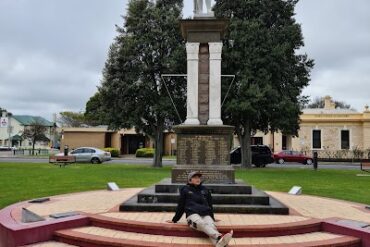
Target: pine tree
132, 93
261, 49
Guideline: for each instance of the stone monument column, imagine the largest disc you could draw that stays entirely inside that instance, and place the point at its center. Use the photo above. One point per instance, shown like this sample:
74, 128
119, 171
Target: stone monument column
203, 142
192, 50
215, 51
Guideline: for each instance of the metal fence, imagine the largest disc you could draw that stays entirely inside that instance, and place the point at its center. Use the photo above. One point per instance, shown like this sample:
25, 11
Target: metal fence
28, 152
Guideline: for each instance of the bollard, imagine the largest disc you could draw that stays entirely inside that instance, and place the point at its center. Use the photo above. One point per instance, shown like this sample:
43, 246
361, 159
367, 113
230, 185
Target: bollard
66, 150
315, 160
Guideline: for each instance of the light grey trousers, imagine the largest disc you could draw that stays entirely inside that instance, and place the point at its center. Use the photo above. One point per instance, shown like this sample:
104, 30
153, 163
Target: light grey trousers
204, 224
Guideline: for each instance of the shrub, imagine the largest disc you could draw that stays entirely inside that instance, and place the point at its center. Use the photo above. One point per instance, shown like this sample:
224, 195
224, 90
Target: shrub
113, 151
145, 153
357, 153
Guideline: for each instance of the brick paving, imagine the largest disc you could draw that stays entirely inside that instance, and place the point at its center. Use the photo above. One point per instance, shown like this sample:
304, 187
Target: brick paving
225, 219
102, 202
88, 202
323, 208
301, 238
105, 203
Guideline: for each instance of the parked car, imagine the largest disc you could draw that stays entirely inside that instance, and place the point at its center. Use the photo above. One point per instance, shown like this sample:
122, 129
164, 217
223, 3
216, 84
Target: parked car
292, 156
2, 148
261, 155
88, 154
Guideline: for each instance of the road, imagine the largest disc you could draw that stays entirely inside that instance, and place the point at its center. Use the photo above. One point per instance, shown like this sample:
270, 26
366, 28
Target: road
167, 162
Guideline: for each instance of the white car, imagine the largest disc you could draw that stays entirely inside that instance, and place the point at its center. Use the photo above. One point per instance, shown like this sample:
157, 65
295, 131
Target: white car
3, 148
89, 154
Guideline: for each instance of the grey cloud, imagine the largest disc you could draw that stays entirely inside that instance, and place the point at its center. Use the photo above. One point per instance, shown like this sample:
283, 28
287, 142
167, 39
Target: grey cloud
337, 36
52, 51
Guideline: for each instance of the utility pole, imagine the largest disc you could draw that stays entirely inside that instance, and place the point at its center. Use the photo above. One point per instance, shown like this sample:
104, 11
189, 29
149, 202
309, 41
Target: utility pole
10, 129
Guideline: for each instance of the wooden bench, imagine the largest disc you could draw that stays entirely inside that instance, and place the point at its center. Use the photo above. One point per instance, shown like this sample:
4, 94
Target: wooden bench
365, 165
62, 160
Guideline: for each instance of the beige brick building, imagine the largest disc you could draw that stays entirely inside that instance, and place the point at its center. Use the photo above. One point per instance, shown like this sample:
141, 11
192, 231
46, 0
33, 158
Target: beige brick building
334, 133
127, 141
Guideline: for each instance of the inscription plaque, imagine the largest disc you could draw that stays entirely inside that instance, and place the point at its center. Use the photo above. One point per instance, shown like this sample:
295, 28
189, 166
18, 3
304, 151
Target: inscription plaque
205, 149
219, 175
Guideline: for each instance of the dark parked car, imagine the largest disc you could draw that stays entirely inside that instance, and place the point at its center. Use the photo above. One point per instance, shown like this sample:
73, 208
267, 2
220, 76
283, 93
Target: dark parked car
261, 155
292, 156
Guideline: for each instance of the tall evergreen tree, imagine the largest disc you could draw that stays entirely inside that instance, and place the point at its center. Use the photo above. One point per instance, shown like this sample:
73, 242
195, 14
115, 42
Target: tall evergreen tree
132, 93
261, 50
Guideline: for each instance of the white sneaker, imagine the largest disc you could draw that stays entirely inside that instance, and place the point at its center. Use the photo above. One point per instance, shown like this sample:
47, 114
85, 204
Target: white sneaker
225, 239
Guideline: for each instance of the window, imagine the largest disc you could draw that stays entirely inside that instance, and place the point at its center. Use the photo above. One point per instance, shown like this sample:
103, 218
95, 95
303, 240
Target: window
78, 151
285, 142
316, 139
345, 139
257, 140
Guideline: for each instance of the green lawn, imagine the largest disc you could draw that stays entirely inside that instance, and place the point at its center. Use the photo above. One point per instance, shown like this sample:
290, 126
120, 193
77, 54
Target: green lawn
20, 182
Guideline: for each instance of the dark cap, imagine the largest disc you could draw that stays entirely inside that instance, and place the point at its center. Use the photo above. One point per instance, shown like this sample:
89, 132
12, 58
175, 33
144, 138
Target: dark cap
193, 174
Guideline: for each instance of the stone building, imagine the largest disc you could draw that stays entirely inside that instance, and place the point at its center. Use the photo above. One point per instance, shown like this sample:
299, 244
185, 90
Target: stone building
332, 132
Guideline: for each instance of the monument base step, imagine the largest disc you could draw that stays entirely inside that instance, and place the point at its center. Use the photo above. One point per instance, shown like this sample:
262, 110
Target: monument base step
255, 202
166, 186
150, 196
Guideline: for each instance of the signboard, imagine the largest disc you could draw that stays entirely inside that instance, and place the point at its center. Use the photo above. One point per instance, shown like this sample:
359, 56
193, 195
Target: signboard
296, 190
3, 122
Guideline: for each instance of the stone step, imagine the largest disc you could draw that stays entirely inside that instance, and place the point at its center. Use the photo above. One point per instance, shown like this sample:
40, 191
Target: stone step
182, 230
275, 207
102, 237
165, 186
150, 196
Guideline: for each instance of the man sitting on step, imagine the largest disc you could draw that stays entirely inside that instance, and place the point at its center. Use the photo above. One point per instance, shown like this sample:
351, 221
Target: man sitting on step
196, 201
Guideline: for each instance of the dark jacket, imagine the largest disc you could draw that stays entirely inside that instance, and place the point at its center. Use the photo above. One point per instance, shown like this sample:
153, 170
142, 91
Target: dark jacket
194, 200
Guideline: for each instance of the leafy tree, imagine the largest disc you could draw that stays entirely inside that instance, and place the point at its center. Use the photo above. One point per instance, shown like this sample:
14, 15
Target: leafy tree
72, 119
35, 132
132, 93
93, 113
319, 102
261, 49
1, 111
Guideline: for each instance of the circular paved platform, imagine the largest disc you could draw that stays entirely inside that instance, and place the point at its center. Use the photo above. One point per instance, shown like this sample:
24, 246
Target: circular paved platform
100, 223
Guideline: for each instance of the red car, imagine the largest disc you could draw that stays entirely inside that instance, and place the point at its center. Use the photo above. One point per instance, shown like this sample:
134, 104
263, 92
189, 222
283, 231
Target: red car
292, 156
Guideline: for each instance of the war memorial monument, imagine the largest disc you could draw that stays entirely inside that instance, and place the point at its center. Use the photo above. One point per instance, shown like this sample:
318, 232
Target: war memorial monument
203, 141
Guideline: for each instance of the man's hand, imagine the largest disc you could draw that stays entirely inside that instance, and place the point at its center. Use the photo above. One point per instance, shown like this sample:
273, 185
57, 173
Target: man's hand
170, 221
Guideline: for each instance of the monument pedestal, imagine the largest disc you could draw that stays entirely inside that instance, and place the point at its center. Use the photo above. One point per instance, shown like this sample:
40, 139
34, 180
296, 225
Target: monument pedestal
206, 149
211, 174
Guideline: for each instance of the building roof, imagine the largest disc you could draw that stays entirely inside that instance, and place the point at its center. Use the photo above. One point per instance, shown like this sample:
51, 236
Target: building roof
16, 138
328, 111
27, 120
102, 129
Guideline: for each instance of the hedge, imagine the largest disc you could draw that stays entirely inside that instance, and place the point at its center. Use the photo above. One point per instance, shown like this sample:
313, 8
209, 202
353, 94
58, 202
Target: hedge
113, 151
145, 153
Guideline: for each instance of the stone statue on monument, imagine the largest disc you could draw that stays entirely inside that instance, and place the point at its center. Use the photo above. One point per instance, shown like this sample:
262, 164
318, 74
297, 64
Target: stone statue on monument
198, 8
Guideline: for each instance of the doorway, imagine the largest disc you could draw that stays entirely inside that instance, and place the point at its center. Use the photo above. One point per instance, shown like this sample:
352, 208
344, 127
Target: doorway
131, 143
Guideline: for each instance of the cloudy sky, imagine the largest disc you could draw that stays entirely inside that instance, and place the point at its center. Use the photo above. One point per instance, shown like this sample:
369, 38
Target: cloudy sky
52, 51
